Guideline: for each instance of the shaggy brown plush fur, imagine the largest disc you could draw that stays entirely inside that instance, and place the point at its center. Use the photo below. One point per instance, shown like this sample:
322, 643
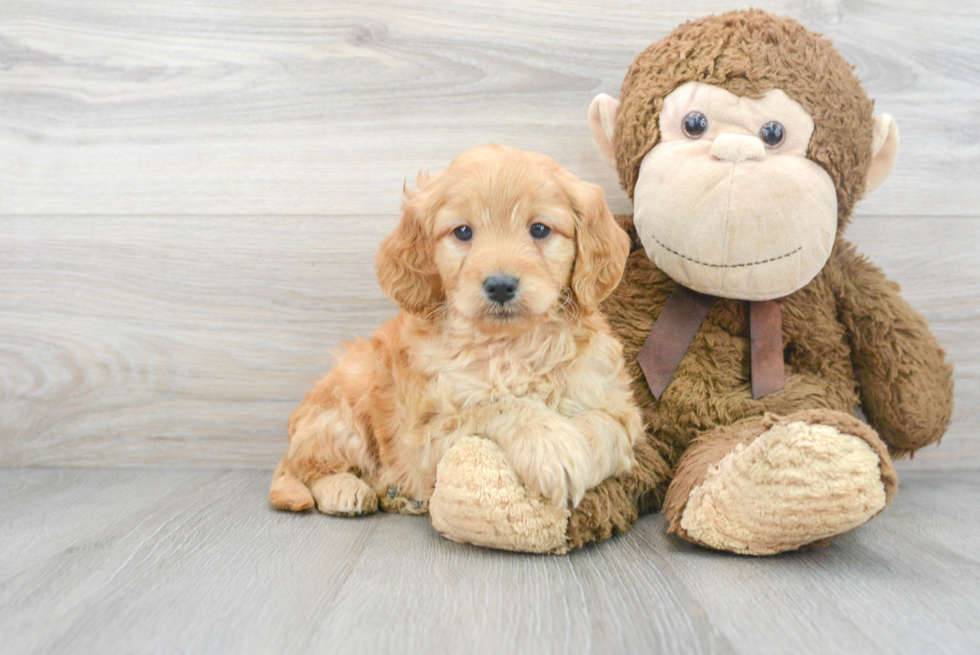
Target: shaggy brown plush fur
749, 53
847, 336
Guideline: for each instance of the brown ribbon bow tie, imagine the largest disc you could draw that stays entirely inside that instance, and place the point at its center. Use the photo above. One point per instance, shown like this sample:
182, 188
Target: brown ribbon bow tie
679, 321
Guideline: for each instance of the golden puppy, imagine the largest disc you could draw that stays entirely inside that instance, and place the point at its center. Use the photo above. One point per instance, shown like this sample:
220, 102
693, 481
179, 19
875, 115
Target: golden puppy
499, 264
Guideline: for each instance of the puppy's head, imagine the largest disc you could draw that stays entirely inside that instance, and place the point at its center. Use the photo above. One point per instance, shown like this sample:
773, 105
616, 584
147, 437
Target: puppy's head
502, 238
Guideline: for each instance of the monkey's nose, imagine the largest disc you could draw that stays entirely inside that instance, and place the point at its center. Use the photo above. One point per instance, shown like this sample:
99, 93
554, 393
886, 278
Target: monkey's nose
500, 288
737, 147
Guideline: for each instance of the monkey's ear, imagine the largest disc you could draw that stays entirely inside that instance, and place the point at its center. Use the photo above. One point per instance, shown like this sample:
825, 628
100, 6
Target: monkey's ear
884, 150
602, 122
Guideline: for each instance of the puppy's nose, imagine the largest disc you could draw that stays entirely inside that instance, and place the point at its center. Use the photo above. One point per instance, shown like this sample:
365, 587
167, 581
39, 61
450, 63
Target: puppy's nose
500, 288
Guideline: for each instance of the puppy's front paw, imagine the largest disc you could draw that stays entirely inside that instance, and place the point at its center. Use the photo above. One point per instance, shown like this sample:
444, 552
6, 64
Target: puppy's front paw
553, 459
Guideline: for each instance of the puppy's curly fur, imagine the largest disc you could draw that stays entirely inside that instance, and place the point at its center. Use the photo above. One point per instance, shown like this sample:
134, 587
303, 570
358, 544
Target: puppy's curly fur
539, 374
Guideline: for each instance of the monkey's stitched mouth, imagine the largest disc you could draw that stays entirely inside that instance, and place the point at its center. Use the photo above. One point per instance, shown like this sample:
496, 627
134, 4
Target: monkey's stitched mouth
742, 265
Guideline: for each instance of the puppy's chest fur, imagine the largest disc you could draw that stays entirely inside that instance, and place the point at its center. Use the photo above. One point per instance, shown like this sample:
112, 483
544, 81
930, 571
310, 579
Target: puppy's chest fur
482, 374
565, 367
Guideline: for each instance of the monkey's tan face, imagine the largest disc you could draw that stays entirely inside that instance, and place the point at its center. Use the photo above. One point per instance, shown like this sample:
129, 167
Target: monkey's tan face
727, 202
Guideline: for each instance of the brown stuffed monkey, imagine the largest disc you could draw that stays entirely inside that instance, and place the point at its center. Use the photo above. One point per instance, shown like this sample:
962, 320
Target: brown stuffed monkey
752, 329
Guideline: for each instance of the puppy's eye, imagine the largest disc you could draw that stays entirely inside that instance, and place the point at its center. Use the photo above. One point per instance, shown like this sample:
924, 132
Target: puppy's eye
540, 231
463, 232
695, 124
772, 134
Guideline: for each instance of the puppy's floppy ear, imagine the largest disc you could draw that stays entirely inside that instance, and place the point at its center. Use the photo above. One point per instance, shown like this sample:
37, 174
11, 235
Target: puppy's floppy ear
406, 264
601, 244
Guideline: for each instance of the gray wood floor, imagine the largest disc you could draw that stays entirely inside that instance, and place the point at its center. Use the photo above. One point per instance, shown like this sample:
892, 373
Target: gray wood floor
191, 194
194, 561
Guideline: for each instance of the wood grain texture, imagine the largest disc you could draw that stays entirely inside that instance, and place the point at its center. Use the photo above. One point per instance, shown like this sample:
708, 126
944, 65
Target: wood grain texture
43, 515
208, 567
168, 107
905, 583
188, 341
133, 339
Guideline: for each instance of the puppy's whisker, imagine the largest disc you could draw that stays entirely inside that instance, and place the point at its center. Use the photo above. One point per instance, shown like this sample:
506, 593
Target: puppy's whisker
439, 310
567, 303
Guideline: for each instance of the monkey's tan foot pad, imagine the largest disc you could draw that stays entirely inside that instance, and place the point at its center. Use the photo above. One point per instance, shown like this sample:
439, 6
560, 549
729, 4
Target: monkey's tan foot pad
479, 499
795, 484
344, 494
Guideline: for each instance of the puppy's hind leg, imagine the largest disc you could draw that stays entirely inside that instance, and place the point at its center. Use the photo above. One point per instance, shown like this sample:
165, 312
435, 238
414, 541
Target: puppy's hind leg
287, 492
325, 451
344, 494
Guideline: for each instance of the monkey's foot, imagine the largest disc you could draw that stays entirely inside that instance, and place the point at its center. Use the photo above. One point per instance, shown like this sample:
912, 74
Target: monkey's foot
800, 482
479, 499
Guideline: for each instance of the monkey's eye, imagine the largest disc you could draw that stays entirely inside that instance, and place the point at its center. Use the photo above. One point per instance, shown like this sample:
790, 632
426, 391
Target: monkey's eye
772, 134
540, 231
695, 124
463, 232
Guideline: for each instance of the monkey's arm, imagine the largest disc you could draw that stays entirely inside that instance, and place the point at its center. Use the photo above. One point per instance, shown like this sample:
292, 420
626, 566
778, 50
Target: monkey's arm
906, 385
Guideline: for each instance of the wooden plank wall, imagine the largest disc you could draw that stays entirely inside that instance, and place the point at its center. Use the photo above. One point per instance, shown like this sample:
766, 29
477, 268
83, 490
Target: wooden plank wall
191, 191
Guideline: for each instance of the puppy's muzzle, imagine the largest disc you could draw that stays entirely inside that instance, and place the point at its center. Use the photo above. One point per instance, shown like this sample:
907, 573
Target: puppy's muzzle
500, 288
